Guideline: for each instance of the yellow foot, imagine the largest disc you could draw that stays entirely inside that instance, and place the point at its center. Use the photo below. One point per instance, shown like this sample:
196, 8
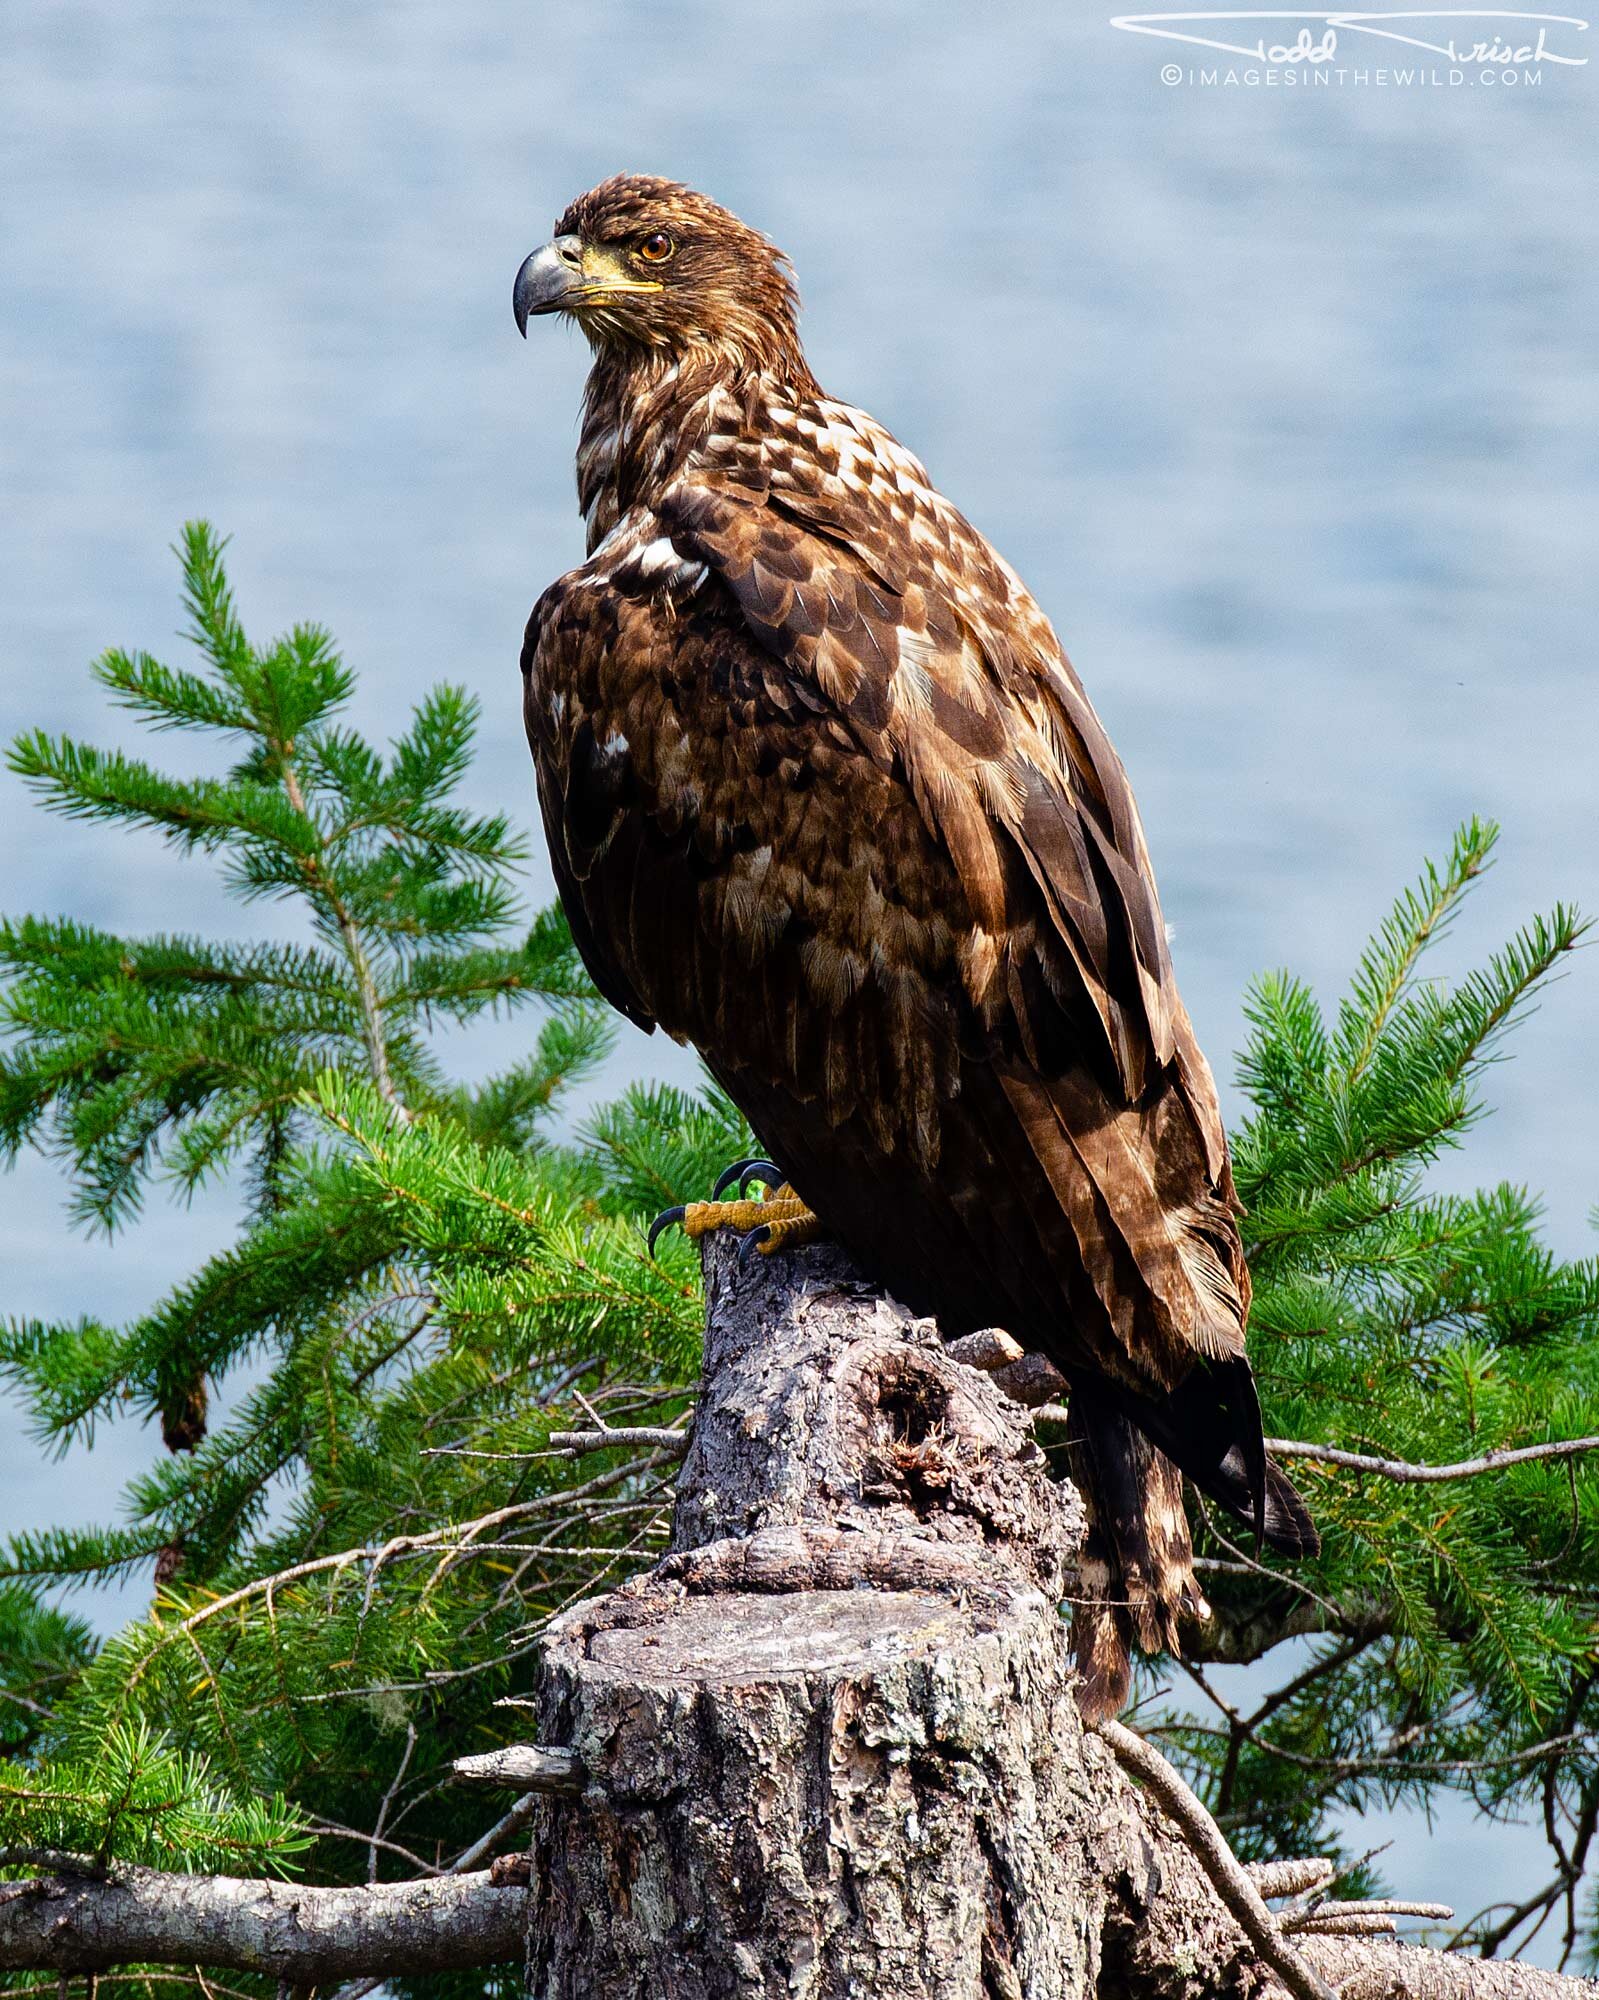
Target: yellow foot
780, 1221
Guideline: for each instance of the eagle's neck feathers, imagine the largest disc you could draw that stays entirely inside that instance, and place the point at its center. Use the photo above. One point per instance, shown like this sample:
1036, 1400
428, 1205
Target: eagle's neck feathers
646, 411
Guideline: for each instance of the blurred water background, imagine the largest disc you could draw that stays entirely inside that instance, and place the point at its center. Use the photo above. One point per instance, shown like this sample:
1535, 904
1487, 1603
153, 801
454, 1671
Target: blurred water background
1283, 401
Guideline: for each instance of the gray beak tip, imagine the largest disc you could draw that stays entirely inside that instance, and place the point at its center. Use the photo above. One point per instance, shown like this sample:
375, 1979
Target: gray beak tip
546, 280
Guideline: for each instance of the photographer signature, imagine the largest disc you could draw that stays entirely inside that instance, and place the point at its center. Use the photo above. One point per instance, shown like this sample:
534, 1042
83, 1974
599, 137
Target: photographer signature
1308, 47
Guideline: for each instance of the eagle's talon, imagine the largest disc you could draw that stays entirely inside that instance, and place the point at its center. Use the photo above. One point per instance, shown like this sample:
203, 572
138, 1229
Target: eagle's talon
725, 1179
665, 1220
757, 1238
755, 1168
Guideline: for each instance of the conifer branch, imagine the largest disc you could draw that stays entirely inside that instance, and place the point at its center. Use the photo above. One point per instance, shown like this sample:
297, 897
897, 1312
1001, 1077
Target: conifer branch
428, 1260
320, 881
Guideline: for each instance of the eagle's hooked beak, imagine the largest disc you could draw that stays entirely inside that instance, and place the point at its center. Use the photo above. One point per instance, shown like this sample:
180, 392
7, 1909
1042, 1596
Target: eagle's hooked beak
547, 280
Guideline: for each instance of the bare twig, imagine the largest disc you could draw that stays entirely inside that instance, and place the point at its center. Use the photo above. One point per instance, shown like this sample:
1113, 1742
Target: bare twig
1369, 1906
1340, 1619
1427, 1475
467, 1451
388, 1800
23, 1701
572, 1444
502, 1829
468, 1859
332, 1829
1332, 1920
1456, 1767
426, 1544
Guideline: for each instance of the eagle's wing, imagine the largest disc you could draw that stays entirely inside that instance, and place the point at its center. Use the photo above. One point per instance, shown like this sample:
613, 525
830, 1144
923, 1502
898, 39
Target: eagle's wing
856, 575
582, 790
866, 589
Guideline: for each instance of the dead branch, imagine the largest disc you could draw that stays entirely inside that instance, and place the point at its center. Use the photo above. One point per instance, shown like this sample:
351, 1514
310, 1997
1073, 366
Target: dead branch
1381, 1969
1290, 1878
1378, 1910
303, 1934
1229, 1879
572, 1444
523, 1767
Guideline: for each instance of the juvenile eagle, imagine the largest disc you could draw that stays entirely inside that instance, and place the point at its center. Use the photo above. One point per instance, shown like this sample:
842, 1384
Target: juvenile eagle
825, 799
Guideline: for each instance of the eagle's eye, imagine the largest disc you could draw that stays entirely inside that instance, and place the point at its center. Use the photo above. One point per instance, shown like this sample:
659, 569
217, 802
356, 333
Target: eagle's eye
656, 247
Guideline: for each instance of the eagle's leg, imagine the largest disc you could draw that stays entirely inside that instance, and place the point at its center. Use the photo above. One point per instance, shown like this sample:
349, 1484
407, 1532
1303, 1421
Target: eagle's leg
779, 1221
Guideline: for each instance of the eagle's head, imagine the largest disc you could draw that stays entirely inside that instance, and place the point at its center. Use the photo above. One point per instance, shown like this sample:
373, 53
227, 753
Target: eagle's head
649, 266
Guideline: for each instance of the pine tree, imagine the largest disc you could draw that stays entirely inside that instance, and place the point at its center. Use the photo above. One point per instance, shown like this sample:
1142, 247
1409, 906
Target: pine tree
1398, 1324
350, 1569
431, 1278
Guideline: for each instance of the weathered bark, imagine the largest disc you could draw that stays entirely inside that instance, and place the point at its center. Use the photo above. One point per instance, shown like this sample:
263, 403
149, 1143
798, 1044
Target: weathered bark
827, 1748
831, 1742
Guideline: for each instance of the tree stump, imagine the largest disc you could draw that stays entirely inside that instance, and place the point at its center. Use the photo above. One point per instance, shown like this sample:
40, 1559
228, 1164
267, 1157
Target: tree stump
830, 1742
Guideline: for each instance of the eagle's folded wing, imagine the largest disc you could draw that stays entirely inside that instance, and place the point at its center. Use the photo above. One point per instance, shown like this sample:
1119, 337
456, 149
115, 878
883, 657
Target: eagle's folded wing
585, 785
866, 587
870, 594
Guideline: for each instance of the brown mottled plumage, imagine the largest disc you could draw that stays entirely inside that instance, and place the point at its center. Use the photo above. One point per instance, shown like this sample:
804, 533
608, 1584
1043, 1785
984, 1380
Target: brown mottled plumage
825, 799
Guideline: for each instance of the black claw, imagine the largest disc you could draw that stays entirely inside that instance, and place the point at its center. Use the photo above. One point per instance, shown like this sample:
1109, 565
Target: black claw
748, 1245
728, 1176
755, 1168
665, 1220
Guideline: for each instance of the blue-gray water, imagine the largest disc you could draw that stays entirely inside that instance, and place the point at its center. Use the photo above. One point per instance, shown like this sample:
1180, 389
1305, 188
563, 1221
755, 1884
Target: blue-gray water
1283, 401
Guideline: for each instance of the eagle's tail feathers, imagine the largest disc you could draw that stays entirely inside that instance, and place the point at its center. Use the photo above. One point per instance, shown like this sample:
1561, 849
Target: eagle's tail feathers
1210, 1425
1136, 1574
